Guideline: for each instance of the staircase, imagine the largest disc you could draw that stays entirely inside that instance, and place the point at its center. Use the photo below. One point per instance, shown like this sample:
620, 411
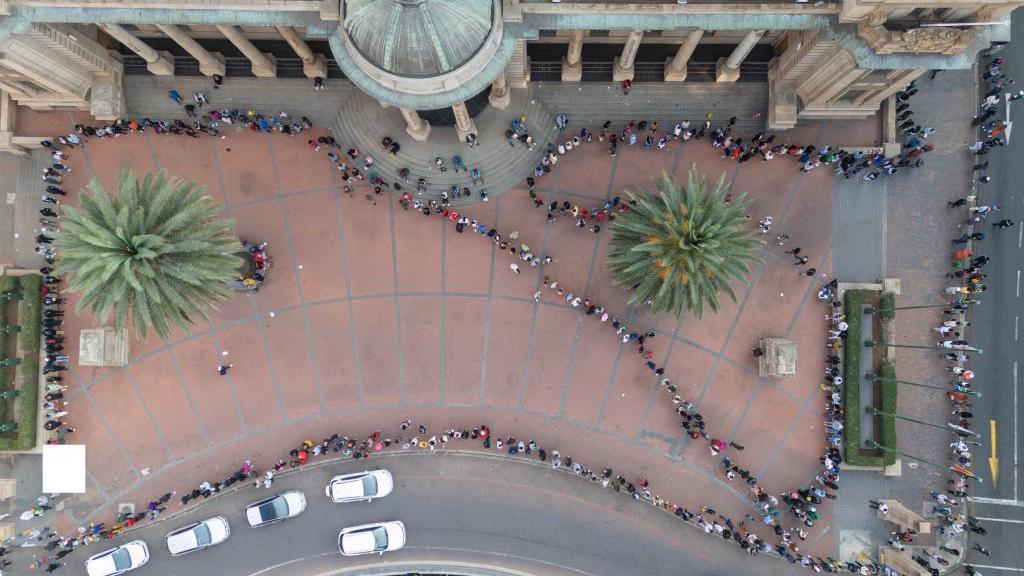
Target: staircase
592, 104
361, 122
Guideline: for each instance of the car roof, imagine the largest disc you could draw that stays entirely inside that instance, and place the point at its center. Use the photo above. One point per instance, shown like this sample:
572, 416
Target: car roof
359, 541
182, 540
102, 565
348, 487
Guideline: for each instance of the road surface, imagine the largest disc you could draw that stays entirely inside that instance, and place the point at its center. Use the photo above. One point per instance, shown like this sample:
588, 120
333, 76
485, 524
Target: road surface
465, 514
997, 329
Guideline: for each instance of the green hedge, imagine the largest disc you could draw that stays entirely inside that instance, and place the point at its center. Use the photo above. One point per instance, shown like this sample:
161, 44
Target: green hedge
887, 308
7, 283
853, 377
26, 404
888, 401
30, 309
25, 437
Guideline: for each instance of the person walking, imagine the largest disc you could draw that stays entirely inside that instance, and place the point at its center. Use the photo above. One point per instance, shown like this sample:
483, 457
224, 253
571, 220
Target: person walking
223, 369
882, 507
174, 95
1004, 223
980, 549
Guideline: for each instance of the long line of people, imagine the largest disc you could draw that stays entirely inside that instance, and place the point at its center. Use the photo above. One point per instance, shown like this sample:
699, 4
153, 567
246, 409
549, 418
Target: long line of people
802, 502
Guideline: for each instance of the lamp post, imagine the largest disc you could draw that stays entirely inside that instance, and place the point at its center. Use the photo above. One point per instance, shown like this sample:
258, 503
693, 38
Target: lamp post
874, 377
958, 24
948, 427
873, 310
962, 347
875, 445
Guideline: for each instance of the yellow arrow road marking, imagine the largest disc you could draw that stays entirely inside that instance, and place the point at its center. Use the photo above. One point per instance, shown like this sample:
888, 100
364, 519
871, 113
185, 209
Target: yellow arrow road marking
993, 461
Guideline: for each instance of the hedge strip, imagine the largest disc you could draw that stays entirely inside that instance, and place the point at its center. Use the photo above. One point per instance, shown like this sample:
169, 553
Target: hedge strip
853, 376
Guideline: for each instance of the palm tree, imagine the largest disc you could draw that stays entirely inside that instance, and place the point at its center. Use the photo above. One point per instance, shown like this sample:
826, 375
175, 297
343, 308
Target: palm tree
683, 246
158, 252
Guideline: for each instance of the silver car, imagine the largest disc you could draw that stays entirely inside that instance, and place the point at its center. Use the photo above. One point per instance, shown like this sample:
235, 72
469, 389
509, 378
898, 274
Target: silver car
372, 538
276, 508
198, 536
118, 560
360, 486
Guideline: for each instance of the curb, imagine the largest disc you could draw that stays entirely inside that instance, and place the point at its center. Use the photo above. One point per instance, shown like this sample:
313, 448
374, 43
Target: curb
419, 453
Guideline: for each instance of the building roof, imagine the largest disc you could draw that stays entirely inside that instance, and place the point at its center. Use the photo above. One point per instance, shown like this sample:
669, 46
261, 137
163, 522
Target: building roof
418, 38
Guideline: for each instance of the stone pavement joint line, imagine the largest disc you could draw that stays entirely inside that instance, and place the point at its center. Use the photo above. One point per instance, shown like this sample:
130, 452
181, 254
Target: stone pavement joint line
600, 421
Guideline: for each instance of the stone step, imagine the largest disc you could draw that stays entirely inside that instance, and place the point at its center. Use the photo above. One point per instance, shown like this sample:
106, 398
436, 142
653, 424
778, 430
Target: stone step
363, 123
593, 104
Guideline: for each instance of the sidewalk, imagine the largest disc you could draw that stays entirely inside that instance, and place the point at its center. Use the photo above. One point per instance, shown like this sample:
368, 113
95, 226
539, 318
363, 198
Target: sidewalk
908, 228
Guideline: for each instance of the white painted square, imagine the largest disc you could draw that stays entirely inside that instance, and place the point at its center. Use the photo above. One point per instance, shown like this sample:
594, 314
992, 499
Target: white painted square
64, 469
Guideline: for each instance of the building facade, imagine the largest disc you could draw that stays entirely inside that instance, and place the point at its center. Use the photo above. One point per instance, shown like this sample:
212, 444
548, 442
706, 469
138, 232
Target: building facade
823, 58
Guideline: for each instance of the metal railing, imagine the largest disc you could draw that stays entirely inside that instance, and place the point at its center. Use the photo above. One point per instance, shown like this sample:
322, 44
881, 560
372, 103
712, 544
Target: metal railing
236, 66
646, 71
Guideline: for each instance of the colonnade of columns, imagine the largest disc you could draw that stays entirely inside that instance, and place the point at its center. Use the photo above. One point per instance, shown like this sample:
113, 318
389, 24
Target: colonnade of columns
727, 70
213, 63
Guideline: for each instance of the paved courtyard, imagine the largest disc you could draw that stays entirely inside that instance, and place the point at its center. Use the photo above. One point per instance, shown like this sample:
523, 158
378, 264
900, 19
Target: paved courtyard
373, 314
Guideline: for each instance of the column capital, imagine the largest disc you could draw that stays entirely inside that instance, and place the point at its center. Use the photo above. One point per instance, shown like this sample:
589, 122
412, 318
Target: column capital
728, 69
572, 64
210, 63
158, 63
675, 67
416, 127
464, 125
500, 95
264, 65
623, 66
313, 65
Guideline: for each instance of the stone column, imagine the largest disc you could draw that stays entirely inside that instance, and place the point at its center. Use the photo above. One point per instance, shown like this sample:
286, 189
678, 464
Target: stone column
623, 69
210, 63
263, 64
417, 128
500, 93
572, 64
675, 68
7, 121
728, 69
159, 63
313, 65
464, 125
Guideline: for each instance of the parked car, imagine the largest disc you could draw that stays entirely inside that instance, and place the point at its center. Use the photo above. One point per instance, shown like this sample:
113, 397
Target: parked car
360, 486
198, 536
276, 508
118, 560
372, 538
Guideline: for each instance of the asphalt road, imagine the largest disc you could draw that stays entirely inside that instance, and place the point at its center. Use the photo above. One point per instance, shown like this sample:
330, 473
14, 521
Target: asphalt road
997, 329
463, 513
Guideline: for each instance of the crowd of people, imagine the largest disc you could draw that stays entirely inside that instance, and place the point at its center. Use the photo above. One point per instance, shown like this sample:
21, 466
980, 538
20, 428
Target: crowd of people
52, 321
802, 503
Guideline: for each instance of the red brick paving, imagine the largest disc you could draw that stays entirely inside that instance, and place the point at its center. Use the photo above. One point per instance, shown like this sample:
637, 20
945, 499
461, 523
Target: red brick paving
468, 342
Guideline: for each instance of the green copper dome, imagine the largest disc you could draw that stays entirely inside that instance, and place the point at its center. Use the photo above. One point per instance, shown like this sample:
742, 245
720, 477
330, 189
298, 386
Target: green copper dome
418, 38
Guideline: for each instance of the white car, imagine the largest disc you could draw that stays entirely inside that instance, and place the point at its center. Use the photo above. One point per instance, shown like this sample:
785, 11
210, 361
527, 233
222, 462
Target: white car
198, 536
360, 486
118, 560
276, 508
371, 538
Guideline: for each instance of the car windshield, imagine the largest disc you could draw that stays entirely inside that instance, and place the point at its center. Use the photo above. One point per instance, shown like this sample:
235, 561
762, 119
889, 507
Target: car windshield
369, 485
122, 559
276, 508
380, 538
202, 533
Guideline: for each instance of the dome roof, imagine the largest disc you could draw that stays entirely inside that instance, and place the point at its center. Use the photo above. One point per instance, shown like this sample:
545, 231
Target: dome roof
418, 38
